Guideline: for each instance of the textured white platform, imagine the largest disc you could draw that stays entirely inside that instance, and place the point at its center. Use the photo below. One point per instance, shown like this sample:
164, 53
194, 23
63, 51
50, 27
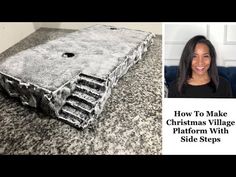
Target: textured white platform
72, 76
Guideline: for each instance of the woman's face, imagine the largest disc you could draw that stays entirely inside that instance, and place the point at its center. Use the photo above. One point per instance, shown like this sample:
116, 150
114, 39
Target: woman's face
201, 60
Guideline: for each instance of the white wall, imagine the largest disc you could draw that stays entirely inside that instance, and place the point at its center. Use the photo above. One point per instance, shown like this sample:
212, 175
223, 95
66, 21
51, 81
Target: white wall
11, 33
150, 27
222, 36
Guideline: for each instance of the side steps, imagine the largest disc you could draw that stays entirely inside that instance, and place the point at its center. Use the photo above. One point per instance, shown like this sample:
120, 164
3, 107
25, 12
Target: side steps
79, 108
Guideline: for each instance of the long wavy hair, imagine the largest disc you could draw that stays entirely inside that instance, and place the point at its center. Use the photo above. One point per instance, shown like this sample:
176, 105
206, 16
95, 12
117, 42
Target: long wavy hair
185, 64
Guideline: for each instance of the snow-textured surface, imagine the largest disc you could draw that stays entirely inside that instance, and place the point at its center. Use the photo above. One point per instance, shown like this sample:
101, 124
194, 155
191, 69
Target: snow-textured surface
63, 75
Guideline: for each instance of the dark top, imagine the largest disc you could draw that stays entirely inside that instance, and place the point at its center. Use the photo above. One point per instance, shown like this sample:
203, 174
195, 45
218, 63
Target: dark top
202, 91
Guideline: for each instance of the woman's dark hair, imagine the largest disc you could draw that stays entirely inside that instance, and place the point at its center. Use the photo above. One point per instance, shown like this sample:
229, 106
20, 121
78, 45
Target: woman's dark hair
185, 69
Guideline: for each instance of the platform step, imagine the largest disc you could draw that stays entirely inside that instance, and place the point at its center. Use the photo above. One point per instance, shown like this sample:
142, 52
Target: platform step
80, 106
92, 82
90, 91
81, 94
94, 78
78, 120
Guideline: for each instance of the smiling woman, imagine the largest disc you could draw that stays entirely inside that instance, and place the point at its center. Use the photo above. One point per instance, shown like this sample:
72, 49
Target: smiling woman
197, 73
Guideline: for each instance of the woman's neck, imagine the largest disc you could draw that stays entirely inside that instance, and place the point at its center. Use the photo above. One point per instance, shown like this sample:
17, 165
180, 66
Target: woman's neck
199, 79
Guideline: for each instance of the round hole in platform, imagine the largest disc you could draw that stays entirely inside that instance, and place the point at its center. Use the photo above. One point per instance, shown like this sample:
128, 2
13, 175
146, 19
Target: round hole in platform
113, 28
68, 55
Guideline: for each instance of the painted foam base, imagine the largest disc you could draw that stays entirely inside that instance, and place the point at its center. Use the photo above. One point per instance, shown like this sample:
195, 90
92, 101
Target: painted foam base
72, 76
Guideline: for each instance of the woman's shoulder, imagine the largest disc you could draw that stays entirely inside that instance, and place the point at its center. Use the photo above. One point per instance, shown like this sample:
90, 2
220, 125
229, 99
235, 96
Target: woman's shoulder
173, 83
225, 86
172, 89
223, 81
